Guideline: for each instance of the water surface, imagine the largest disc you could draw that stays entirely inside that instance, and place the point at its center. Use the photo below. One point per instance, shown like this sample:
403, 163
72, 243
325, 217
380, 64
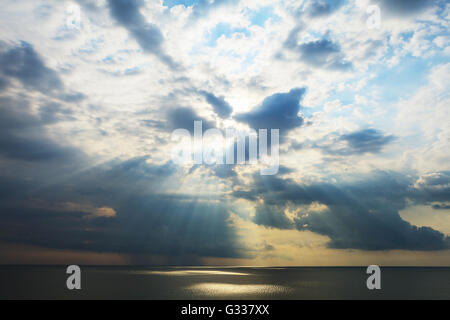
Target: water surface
49, 282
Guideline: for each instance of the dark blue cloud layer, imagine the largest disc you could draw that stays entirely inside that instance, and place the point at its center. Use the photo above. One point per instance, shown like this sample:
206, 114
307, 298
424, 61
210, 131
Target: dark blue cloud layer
355, 143
148, 220
184, 118
324, 54
272, 216
363, 214
367, 140
23, 133
220, 106
22, 63
404, 7
279, 111
38, 175
323, 8
433, 187
148, 35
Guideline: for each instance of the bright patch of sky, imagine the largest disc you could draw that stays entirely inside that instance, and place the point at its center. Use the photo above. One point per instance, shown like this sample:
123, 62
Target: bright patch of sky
223, 29
260, 16
186, 3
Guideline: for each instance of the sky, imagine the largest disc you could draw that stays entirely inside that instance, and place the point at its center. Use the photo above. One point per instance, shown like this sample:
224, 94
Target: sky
91, 92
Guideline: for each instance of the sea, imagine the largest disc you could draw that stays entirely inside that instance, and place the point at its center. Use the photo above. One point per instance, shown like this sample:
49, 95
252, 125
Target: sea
223, 283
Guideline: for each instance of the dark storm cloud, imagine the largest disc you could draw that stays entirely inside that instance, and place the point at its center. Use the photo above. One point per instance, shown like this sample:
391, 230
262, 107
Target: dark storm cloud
181, 227
323, 53
350, 228
404, 7
147, 221
3, 83
184, 118
283, 170
144, 225
362, 214
24, 64
291, 41
433, 187
220, 106
148, 35
31, 148
224, 171
322, 8
22, 133
279, 111
72, 97
368, 140
358, 142
272, 216
441, 207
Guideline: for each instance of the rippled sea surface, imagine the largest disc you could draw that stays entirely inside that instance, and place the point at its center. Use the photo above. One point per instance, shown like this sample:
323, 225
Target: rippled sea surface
38, 282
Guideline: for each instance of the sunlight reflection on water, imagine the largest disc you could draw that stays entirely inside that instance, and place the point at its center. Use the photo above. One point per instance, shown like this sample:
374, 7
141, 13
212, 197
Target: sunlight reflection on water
193, 273
223, 289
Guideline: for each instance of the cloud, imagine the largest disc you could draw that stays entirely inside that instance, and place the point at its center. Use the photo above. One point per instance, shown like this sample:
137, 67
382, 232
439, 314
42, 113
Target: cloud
91, 5
24, 64
323, 8
404, 7
129, 211
366, 141
143, 204
291, 41
433, 187
324, 54
204, 7
437, 181
148, 35
138, 168
3, 83
441, 207
272, 216
224, 171
184, 118
104, 212
23, 121
355, 143
351, 228
279, 111
361, 214
220, 106
23, 135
